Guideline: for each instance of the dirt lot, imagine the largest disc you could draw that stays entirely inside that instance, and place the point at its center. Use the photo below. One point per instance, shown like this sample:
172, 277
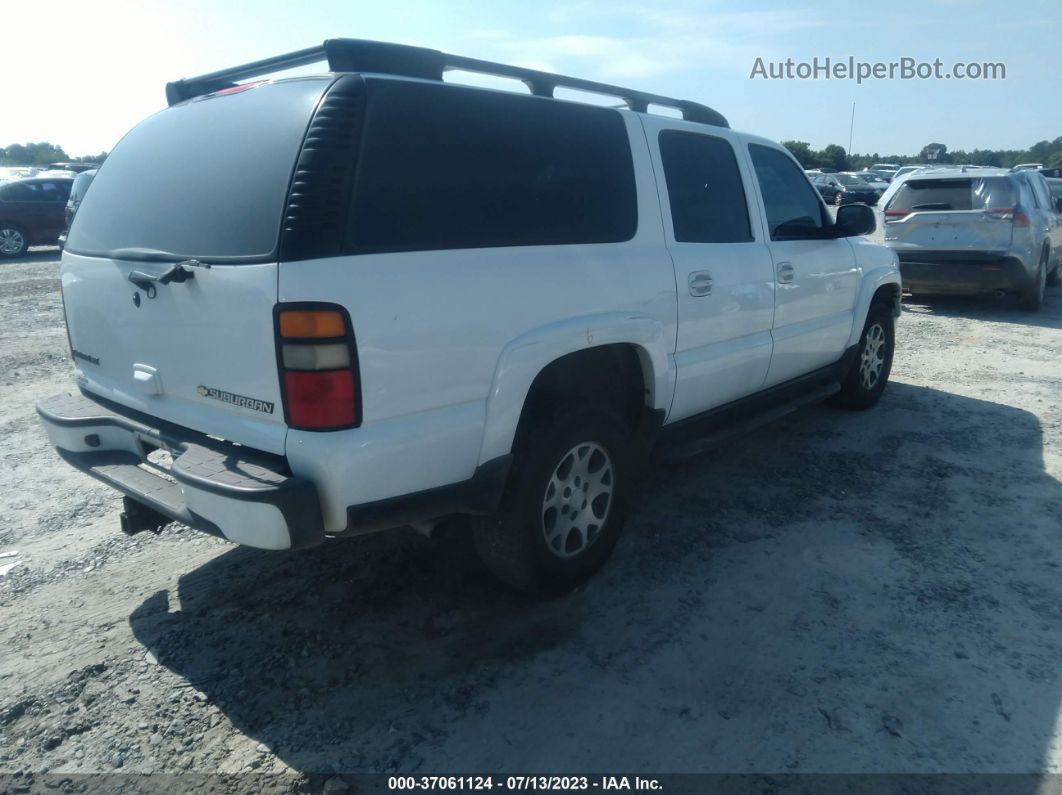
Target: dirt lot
875, 592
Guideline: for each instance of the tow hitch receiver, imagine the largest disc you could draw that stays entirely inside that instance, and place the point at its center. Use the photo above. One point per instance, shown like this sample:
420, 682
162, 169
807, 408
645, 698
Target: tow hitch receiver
137, 517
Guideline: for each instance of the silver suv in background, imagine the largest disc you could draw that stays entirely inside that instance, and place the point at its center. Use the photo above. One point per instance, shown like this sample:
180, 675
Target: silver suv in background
970, 232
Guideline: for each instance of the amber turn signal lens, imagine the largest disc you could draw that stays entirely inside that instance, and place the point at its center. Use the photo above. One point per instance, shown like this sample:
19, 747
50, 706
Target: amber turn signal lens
311, 324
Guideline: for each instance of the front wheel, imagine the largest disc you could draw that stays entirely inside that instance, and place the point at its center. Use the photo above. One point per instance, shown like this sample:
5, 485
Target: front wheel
13, 241
865, 382
565, 505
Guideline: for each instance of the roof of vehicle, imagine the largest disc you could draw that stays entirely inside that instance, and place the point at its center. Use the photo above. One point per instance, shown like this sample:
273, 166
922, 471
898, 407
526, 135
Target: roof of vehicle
359, 55
959, 173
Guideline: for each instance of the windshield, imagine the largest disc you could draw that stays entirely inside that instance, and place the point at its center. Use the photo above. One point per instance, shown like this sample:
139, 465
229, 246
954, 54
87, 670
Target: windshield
987, 193
206, 179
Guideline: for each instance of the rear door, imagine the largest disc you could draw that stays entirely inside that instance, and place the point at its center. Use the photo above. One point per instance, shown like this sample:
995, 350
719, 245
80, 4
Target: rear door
722, 267
204, 181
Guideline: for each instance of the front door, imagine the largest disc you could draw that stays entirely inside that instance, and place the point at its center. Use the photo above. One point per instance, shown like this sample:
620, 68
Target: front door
816, 278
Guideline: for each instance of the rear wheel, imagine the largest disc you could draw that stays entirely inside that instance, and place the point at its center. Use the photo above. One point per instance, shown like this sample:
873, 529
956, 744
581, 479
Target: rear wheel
565, 506
1055, 276
1034, 296
13, 240
866, 379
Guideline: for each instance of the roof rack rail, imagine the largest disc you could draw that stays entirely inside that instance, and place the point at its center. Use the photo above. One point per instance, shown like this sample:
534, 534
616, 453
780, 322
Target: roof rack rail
358, 55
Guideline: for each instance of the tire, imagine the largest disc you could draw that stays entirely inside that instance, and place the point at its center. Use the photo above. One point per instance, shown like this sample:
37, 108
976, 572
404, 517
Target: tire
838, 200
1055, 276
528, 546
14, 241
1033, 298
865, 381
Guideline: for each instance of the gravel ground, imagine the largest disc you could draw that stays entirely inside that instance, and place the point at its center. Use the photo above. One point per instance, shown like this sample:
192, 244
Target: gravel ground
839, 592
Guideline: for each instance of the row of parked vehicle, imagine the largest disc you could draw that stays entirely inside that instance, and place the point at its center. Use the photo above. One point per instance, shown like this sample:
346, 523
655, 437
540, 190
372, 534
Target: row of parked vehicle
963, 229
37, 210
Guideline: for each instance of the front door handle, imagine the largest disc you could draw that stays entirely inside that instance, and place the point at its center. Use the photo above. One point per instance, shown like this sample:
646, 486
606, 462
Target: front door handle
786, 273
700, 283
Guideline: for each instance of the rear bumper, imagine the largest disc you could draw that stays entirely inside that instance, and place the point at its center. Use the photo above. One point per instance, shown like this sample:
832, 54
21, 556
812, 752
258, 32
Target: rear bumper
962, 272
220, 488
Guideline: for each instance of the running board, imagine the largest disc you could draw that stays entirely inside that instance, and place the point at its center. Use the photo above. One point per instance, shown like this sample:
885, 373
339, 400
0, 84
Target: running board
677, 443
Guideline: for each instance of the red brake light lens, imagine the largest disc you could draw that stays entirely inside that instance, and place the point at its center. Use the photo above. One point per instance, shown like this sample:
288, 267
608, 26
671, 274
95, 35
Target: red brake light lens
320, 399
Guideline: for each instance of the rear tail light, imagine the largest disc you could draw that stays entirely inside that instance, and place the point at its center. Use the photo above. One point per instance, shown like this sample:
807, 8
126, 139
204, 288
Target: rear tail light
318, 365
1021, 219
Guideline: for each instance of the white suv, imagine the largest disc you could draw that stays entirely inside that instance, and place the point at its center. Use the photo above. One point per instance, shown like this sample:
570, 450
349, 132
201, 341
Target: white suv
324, 306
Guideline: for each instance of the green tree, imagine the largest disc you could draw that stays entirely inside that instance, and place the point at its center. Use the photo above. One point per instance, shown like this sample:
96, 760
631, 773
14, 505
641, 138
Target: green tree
934, 153
32, 154
803, 152
834, 156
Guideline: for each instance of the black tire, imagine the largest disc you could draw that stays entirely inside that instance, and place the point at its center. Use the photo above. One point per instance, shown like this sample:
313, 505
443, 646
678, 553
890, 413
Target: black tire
860, 388
514, 547
1033, 298
1055, 276
9, 233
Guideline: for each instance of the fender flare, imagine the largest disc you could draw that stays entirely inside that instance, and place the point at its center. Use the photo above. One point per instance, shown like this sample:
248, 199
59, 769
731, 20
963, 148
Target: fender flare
873, 280
523, 358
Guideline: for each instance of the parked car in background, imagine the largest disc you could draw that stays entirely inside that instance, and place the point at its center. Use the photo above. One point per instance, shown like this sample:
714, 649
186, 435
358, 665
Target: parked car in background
77, 193
884, 167
883, 174
872, 178
77, 168
1052, 173
1055, 186
828, 187
855, 189
316, 372
971, 232
1027, 167
32, 213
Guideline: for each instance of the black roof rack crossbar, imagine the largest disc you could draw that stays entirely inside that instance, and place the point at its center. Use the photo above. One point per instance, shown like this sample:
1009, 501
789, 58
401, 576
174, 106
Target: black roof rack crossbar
356, 55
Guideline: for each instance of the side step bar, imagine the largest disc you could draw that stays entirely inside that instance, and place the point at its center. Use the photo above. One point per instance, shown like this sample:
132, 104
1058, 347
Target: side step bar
675, 448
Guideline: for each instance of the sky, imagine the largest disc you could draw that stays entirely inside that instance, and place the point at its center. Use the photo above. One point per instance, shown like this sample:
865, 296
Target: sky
97, 67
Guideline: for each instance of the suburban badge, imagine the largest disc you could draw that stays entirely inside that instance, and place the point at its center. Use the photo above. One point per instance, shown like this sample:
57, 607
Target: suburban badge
241, 401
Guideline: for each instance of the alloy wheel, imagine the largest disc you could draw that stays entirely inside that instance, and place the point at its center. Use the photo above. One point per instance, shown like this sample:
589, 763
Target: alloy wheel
577, 500
872, 360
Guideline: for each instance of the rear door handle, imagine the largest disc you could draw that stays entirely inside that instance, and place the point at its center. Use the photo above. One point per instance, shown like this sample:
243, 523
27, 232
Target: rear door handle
700, 283
786, 272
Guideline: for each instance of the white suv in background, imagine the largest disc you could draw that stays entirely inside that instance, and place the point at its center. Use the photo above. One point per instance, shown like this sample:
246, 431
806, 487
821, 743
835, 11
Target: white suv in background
386, 299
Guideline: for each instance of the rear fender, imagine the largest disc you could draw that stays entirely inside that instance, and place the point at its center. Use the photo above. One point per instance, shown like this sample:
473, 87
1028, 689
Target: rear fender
526, 356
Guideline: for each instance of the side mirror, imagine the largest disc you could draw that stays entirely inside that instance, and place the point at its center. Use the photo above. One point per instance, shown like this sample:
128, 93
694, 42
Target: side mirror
855, 219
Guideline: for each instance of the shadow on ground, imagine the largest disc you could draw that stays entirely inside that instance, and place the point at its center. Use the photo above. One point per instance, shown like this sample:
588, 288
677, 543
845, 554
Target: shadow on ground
870, 592
34, 254
999, 309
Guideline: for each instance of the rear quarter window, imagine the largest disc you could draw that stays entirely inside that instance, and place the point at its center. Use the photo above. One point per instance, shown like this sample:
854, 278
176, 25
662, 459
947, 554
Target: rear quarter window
447, 167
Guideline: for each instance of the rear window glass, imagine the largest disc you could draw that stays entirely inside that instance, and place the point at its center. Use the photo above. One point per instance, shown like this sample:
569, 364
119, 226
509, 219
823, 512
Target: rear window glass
446, 167
953, 194
206, 179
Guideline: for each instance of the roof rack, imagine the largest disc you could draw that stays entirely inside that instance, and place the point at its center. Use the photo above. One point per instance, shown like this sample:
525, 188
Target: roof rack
357, 55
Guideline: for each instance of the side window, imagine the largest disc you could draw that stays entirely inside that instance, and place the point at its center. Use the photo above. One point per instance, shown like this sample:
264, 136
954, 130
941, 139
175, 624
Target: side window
704, 189
787, 197
16, 192
447, 167
1043, 197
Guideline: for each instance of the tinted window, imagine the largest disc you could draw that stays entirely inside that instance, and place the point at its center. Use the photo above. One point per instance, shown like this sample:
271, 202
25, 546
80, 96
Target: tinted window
445, 167
704, 189
17, 192
81, 183
788, 198
953, 194
206, 178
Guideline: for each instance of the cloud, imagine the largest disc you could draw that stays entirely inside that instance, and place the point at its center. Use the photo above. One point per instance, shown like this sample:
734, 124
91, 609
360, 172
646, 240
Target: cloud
660, 41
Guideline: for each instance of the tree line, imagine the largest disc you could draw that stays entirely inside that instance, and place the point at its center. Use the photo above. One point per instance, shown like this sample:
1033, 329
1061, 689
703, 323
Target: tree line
834, 157
41, 154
